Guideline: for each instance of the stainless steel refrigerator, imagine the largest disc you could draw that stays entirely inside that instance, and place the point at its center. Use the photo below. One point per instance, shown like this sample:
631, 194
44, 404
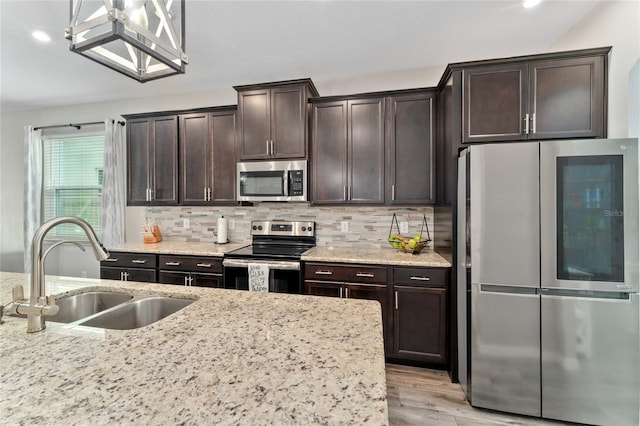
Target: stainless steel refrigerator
553, 306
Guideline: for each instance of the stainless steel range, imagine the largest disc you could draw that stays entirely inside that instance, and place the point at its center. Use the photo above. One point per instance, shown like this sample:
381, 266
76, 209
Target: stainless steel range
278, 245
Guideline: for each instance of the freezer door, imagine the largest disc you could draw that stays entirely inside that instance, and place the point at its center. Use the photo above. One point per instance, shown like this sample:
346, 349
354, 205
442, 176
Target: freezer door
505, 225
589, 214
590, 370
505, 349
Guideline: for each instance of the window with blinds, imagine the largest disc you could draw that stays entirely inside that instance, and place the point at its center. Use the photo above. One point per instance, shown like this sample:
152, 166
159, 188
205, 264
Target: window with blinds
72, 182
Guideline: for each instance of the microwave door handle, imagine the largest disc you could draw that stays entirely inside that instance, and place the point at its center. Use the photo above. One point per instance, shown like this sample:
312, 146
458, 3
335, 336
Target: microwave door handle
286, 182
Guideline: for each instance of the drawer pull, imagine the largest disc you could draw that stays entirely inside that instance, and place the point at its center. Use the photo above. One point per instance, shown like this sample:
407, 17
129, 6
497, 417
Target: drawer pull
420, 278
364, 274
138, 261
172, 263
323, 273
204, 265
346, 292
396, 299
111, 259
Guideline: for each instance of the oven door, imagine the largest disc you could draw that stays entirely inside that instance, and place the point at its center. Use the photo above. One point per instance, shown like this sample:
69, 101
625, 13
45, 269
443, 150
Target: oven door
284, 276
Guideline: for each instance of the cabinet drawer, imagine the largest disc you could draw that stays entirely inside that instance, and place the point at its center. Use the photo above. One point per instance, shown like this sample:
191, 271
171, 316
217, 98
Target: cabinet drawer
128, 259
190, 263
346, 273
432, 277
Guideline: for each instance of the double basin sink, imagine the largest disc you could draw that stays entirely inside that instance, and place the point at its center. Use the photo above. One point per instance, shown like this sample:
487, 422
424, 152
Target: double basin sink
116, 311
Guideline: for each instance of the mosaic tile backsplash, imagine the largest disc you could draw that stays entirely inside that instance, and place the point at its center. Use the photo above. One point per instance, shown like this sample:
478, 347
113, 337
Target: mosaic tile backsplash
368, 226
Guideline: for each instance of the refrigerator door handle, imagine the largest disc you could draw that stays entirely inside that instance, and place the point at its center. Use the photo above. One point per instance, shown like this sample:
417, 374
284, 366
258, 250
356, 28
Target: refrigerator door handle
586, 294
492, 288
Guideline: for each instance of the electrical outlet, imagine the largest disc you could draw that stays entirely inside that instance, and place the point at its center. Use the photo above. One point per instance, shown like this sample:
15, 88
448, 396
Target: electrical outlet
344, 226
185, 223
404, 228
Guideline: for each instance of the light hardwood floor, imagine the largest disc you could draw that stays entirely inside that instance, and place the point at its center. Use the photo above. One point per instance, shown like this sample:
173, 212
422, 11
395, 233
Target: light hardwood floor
418, 396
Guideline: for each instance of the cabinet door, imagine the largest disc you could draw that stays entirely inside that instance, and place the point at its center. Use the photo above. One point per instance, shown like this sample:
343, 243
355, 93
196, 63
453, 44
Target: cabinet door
196, 159
223, 131
254, 127
494, 103
376, 292
171, 277
207, 280
319, 288
128, 274
411, 147
419, 324
329, 152
138, 165
366, 151
164, 159
288, 122
567, 98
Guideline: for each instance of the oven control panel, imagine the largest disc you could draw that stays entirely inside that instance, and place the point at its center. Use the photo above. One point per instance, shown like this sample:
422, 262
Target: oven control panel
283, 228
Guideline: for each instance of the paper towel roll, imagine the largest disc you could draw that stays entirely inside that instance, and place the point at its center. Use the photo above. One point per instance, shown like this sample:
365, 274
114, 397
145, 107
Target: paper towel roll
222, 230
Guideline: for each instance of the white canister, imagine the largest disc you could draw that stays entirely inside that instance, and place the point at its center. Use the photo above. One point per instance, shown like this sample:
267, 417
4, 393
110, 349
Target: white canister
222, 230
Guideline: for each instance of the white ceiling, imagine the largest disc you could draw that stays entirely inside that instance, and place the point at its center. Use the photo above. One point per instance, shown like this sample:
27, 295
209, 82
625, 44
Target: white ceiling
242, 42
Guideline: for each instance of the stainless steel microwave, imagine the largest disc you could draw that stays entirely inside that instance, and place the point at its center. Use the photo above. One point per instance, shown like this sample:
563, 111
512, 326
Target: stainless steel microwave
272, 181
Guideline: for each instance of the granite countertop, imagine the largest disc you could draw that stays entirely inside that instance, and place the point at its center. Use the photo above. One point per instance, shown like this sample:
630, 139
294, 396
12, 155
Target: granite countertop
381, 256
231, 357
181, 247
378, 256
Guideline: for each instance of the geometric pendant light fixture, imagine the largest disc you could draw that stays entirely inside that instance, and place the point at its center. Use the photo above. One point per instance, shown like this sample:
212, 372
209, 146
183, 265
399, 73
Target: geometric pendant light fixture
142, 39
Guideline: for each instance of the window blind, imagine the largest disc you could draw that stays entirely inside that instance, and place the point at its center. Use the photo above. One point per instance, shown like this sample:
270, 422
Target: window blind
72, 182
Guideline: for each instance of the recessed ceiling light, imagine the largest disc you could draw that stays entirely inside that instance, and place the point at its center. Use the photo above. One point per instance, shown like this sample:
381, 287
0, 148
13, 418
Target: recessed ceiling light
530, 3
41, 36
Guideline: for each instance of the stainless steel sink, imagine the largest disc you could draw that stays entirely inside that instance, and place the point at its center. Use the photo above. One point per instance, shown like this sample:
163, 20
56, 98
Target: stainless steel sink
137, 313
83, 305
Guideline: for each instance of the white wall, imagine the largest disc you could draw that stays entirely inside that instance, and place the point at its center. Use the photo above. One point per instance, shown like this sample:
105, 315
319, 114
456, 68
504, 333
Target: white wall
616, 24
612, 23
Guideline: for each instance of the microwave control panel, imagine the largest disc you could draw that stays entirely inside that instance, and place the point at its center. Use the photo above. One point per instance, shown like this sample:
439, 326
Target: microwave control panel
296, 186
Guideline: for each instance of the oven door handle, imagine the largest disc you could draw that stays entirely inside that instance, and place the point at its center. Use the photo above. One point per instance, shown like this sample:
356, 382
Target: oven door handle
278, 265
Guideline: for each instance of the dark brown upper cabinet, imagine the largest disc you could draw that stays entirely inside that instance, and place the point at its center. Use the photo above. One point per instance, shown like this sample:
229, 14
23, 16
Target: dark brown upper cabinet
272, 119
411, 148
540, 97
208, 158
348, 151
152, 161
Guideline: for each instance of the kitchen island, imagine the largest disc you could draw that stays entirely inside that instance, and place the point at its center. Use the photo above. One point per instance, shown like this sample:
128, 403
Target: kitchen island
231, 357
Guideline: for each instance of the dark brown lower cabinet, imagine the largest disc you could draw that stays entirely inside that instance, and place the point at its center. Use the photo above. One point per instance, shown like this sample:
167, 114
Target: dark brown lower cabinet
413, 301
127, 266
419, 324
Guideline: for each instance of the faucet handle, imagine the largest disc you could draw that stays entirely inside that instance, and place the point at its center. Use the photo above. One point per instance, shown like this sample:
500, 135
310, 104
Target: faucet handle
17, 293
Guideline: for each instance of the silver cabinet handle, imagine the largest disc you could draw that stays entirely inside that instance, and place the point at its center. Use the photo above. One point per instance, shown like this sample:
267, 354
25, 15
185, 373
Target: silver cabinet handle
124, 276
111, 259
267, 142
204, 265
346, 292
172, 263
364, 274
209, 191
393, 192
344, 193
420, 278
533, 122
323, 273
340, 292
273, 147
350, 192
396, 299
526, 124
138, 261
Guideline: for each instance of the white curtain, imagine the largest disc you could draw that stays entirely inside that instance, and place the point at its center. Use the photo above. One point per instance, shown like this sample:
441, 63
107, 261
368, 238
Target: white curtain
33, 189
113, 186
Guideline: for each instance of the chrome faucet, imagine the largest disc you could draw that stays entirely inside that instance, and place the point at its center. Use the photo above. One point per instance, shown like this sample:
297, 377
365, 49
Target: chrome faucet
39, 304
